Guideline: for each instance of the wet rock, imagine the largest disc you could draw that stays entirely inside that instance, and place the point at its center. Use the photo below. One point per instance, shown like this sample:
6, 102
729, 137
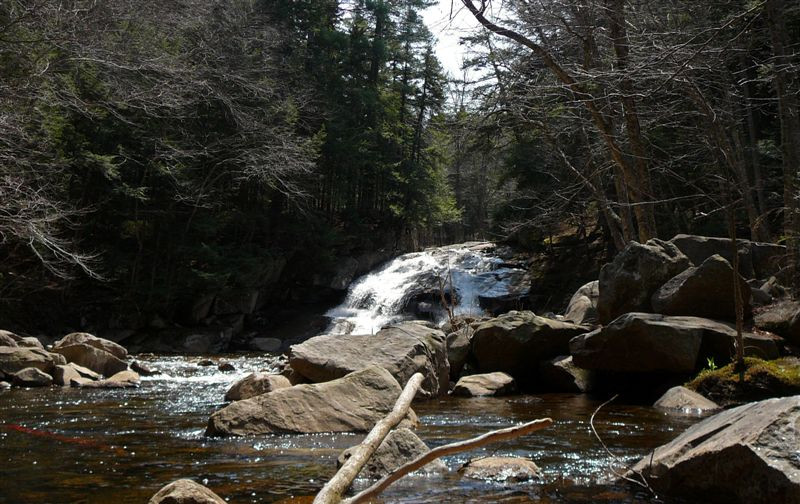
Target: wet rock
4, 385
649, 342
13, 359
702, 291
630, 280
743, 455
349, 404
114, 349
93, 358
781, 318
206, 363
185, 491
562, 375
506, 469
582, 307
489, 384
64, 374
31, 377
143, 369
256, 384
682, 399
123, 379
266, 344
458, 348
399, 447
402, 349
514, 342
226, 367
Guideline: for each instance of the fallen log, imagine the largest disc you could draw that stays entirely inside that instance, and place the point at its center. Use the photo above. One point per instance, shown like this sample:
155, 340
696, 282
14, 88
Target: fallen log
333, 490
449, 449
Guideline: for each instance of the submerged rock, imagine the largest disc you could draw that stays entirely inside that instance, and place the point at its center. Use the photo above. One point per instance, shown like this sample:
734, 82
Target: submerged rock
399, 447
256, 384
628, 282
515, 342
747, 454
682, 399
185, 491
402, 349
349, 404
489, 384
506, 469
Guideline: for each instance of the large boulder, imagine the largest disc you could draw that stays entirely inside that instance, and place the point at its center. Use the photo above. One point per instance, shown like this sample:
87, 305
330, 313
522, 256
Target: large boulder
185, 491
628, 282
399, 447
458, 347
402, 349
114, 349
506, 469
703, 291
582, 307
743, 455
516, 341
756, 260
349, 404
685, 400
488, 384
562, 375
7, 340
782, 318
256, 384
13, 359
64, 374
31, 377
93, 358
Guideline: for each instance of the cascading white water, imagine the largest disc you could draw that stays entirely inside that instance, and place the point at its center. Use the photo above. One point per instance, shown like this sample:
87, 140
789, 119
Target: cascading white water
386, 296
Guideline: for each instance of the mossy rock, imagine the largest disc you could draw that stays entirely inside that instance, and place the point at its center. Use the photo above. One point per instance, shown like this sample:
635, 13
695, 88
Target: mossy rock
762, 380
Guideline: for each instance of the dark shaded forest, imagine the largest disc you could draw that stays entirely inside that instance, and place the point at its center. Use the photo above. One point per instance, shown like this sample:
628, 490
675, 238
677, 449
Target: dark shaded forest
154, 151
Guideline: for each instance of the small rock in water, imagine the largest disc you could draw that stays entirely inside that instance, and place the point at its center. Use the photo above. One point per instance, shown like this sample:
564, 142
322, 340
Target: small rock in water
4, 385
682, 399
185, 491
488, 384
226, 367
510, 469
142, 369
32, 377
399, 447
206, 362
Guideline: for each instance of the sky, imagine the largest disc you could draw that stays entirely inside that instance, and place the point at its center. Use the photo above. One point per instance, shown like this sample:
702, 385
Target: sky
447, 31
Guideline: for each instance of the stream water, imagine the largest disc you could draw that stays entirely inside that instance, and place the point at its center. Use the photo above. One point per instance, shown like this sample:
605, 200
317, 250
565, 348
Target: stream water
120, 446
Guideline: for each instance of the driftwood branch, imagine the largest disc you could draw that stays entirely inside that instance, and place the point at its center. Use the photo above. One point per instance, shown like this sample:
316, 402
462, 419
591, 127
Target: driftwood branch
449, 449
332, 492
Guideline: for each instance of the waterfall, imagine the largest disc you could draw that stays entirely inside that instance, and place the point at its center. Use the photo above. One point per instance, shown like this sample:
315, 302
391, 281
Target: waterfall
411, 286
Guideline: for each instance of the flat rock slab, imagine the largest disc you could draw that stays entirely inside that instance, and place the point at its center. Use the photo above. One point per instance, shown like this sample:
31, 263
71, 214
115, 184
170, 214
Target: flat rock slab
256, 384
505, 469
488, 384
402, 350
399, 447
185, 491
349, 404
515, 342
685, 400
749, 454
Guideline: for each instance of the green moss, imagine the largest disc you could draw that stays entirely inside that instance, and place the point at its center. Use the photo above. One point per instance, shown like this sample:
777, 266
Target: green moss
762, 379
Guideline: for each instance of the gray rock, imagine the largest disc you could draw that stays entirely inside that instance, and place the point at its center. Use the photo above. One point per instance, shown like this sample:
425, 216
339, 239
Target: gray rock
506, 469
399, 447
226, 367
143, 369
699, 248
185, 491
114, 349
93, 358
266, 344
403, 350
256, 384
562, 375
743, 455
702, 291
685, 400
516, 341
628, 282
582, 307
13, 359
207, 341
488, 384
31, 377
781, 318
458, 348
349, 404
